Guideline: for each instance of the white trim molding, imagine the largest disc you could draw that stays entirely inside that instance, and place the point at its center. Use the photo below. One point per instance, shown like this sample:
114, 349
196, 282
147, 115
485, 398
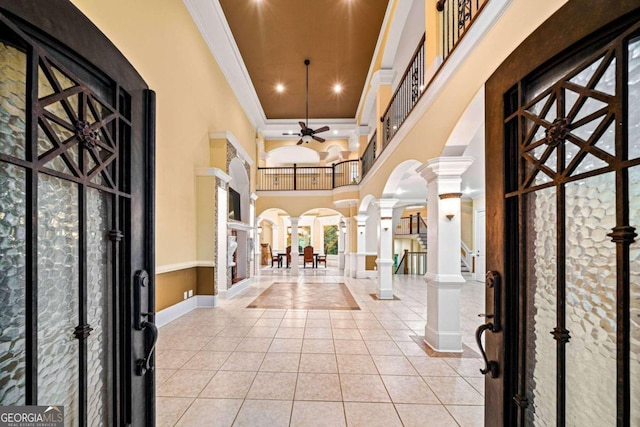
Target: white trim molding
168, 268
177, 310
236, 289
218, 173
234, 141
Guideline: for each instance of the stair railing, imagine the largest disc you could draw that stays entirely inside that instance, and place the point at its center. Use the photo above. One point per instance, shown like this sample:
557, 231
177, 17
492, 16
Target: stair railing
466, 255
412, 263
412, 224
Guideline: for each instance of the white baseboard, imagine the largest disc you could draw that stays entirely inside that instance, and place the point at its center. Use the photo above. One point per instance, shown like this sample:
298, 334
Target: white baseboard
236, 289
175, 311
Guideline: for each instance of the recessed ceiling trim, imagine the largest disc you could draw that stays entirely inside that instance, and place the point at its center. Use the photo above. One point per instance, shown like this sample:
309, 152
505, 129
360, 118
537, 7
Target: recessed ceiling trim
212, 24
376, 52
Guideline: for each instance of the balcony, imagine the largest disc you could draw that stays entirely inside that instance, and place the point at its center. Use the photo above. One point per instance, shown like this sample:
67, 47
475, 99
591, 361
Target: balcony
308, 178
456, 19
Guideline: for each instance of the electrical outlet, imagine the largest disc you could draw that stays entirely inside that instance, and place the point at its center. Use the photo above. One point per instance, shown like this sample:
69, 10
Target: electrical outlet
185, 294
190, 293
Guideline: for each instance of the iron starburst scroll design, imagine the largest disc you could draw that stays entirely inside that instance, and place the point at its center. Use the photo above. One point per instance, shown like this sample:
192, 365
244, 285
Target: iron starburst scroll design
86, 134
557, 132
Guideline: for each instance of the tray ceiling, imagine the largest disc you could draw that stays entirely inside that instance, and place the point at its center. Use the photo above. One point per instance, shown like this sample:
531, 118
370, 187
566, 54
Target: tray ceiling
274, 38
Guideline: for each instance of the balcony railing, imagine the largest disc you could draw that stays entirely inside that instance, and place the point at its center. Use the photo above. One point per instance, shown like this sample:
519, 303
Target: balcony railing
457, 17
412, 224
405, 97
369, 155
308, 177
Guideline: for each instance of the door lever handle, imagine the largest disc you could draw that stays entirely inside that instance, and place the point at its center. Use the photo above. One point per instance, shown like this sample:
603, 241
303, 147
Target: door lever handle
144, 365
490, 365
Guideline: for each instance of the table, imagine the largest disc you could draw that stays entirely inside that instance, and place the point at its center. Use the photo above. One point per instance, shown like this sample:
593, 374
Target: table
282, 255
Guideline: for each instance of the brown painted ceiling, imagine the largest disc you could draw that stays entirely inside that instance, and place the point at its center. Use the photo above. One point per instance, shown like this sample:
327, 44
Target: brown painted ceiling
276, 36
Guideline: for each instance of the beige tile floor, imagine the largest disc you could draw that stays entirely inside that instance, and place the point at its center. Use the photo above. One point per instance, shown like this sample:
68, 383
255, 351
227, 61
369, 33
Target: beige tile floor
237, 366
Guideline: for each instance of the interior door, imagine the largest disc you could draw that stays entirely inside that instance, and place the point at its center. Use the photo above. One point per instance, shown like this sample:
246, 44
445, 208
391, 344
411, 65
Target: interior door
480, 228
76, 215
564, 218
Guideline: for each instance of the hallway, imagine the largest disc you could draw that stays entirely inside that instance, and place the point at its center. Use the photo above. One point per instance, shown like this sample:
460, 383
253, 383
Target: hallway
241, 366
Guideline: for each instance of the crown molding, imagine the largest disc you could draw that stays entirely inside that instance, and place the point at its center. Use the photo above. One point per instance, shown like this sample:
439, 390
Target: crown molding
214, 28
218, 173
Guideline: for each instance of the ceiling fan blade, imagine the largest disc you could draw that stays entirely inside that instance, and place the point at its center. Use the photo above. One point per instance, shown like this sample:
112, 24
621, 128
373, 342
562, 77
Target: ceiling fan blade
317, 138
299, 142
322, 129
302, 125
291, 134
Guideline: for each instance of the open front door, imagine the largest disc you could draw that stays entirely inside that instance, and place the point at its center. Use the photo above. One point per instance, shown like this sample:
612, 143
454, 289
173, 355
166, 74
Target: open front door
76, 220
563, 217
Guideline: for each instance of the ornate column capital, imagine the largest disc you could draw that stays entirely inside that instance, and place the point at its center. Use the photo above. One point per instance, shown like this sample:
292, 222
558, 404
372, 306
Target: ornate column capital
439, 168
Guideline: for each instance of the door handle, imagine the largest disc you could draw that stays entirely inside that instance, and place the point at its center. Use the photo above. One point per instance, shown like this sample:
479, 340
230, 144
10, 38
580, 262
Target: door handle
490, 365
144, 365
492, 281
141, 319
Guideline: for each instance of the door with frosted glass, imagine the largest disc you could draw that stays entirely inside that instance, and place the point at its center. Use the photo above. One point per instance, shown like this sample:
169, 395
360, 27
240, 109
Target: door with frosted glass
75, 224
569, 215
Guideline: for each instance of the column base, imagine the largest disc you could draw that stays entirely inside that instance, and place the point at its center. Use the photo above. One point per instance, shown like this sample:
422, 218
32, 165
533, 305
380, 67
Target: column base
385, 294
444, 342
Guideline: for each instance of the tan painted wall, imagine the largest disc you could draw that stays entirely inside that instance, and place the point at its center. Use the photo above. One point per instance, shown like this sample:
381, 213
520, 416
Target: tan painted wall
218, 154
205, 280
170, 287
370, 262
205, 193
466, 222
193, 98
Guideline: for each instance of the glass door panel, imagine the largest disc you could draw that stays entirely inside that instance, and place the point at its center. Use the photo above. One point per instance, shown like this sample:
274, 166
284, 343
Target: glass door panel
58, 296
590, 263
98, 300
634, 313
13, 69
12, 283
542, 298
633, 96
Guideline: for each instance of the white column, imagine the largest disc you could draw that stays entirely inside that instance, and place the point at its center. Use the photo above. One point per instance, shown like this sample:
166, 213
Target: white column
275, 238
361, 242
294, 246
221, 256
347, 247
341, 243
444, 278
385, 248
254, 236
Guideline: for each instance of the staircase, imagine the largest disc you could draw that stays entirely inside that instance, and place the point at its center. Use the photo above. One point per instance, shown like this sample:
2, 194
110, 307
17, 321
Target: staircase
422, 238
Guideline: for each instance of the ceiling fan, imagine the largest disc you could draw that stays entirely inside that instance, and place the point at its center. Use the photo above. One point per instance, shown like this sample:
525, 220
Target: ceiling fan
306, 134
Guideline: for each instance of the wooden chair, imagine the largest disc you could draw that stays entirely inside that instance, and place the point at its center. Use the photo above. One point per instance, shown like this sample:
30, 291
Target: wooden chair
322, 258
307, 256
274, 258
288, 256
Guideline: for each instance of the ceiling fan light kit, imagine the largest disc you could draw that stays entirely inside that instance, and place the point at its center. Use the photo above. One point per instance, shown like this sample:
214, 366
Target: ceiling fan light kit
307, 134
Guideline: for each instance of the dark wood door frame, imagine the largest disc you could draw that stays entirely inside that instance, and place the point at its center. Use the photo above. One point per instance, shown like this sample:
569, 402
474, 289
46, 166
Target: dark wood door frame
576, 21
57, 30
